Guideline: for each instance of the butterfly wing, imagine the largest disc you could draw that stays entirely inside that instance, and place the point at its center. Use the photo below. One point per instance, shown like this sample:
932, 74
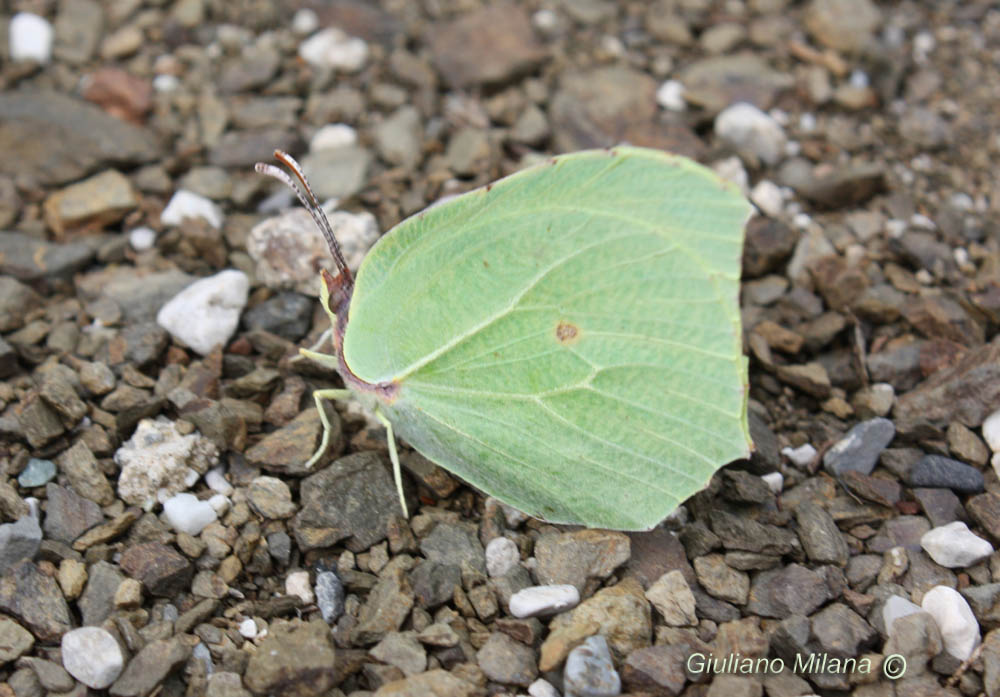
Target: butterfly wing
568, 340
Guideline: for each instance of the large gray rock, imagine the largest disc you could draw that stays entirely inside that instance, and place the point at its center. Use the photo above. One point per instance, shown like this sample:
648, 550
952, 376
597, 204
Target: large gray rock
54, 139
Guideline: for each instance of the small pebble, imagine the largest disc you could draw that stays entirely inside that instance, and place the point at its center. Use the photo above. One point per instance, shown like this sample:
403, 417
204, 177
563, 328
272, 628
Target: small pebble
502, 555
304, 21
248, 628
207, 312
37, 472
142, 239
991, 431
955, 546
186, 513
166, 83
30, 38
859, 450
959, 628
297, 584
329, 596
220, 503
542, 688
92, 656
332, 48
775, 481
539, 601
670, 96
749, 129
767, 196
800, 456
217, 482
337, 135
187, 204
590, 671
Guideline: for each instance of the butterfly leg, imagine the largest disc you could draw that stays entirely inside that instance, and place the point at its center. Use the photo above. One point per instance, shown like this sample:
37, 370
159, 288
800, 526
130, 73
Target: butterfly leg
319, 396
394, 456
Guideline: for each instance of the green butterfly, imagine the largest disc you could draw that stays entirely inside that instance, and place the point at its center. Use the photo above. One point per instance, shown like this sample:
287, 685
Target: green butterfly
566, 339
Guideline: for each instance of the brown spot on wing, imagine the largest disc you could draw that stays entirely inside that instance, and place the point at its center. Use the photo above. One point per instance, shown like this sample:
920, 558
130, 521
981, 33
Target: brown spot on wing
567, 332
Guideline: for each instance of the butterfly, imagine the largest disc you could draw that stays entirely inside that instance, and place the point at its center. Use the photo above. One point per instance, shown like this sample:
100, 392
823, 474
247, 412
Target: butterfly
566, 339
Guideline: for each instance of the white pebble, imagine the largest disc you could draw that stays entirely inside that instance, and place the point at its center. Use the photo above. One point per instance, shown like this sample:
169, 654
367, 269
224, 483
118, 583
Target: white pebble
800, 456
186, 513
767, 196
536, 601
217, 482
991, 431
142, 238
545, 20
220, 503
502, 555
332, 48
304, 22
895, 228
156, 461
775, 481
30, 38
859, 78
749, 129
959, 628
334, 135
670, 96
802, 221
807, 122
166, 83
187, 204
248, 628
896, 607
206, 312
922, 222
92, 656
542, 688
732, 170
297, 584
955, 546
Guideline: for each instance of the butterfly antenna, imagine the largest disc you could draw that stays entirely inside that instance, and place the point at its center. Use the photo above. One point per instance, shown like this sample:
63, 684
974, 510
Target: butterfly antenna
310, 202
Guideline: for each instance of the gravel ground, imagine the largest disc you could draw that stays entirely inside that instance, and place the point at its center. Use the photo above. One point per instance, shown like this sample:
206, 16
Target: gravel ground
158, 534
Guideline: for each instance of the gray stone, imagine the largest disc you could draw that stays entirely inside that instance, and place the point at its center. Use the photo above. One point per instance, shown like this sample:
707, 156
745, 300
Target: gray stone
287, 314
29, 258
821, 539
434, 584
16, 300
337, 172
859, 450
271, 498
35, 599
783, 592
52, 676
943, 472
85, 475
742, 533
657, 670
296, 658
398, 138
488, 46
386, 608
843, 25
353, 498
580, 558
507, 661
455, 544
841, 632
401, 649
55, 139
19, 540
97, 601
67, 514
15, 640
150, 667
719, 580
